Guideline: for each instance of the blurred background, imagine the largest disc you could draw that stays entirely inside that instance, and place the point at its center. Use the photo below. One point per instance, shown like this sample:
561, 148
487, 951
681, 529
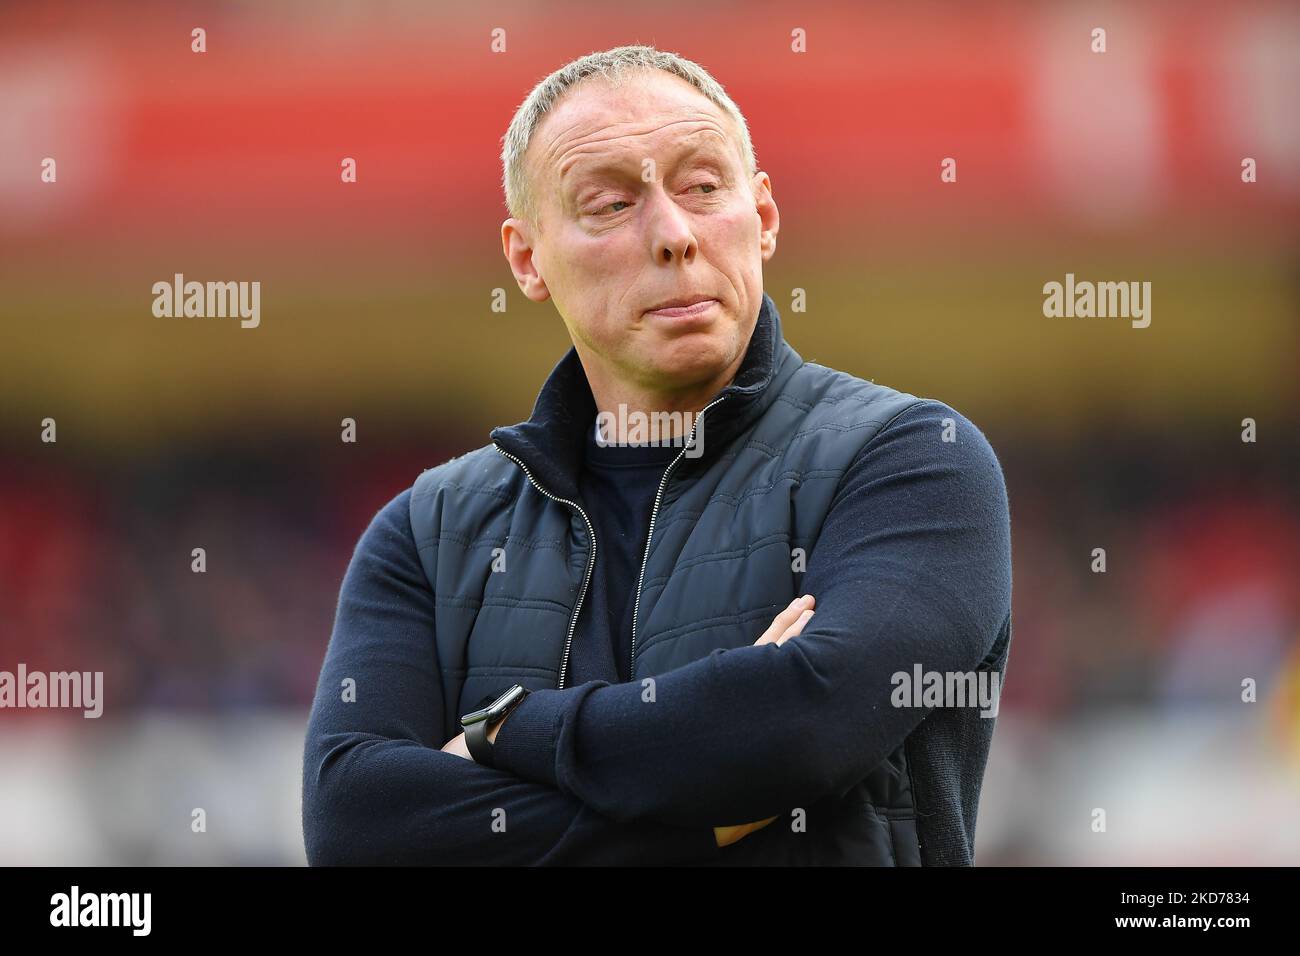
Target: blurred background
1123, 689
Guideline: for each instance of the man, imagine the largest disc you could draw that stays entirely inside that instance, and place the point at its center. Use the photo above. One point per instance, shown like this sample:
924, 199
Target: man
573, 646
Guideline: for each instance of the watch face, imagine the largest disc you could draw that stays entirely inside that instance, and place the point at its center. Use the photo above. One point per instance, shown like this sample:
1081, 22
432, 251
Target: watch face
506, 699
497, 708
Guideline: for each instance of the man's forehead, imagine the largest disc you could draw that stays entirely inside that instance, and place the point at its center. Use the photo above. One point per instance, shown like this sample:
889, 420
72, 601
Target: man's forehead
600, 118
630, 144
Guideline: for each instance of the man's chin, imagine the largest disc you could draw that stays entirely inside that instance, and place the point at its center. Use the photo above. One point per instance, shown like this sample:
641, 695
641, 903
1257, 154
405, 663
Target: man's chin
696, 369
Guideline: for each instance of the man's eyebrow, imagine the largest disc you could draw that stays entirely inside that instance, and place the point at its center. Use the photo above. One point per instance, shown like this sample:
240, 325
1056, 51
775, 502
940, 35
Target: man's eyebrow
579, 168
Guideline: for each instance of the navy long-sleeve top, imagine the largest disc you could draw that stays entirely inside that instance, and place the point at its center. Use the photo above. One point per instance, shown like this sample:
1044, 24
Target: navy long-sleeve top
913, 566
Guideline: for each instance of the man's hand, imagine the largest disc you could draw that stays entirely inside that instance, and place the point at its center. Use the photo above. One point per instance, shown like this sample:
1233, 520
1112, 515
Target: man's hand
729, 835
789, 623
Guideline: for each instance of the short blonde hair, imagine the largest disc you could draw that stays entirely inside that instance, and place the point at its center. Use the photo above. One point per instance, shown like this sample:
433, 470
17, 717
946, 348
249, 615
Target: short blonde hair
612, 65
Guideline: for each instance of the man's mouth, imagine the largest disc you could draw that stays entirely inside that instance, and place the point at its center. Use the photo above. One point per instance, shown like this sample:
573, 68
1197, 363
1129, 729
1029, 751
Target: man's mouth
683, 306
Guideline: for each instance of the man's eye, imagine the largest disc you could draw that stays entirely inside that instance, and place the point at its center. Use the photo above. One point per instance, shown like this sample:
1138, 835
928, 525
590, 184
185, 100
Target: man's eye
617, 202
709, 186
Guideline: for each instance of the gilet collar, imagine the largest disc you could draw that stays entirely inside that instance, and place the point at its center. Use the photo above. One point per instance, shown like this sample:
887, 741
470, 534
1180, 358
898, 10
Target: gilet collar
550, 443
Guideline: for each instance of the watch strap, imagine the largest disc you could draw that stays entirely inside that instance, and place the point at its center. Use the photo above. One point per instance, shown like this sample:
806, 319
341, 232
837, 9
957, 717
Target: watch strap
476, 739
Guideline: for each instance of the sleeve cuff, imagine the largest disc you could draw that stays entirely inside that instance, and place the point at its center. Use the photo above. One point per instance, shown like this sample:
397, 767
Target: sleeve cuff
525, 744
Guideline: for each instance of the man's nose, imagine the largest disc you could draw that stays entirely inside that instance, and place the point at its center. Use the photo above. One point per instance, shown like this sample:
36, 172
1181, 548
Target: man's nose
671, 235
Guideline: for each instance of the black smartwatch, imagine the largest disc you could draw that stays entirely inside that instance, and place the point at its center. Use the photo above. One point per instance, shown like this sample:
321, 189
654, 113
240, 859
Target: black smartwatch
478, 725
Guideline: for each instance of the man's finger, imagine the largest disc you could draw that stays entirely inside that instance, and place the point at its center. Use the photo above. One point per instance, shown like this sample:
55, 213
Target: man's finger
786, 619
796, 628
783, 621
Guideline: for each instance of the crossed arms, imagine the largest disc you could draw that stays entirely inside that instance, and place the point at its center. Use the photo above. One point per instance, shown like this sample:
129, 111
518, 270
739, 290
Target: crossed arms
912, 566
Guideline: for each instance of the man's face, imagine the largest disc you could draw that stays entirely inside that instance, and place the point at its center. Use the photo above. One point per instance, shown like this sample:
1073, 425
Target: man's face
612, 247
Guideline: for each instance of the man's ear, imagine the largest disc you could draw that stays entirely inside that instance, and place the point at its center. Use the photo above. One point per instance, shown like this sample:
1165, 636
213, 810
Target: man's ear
517, 244
769, 219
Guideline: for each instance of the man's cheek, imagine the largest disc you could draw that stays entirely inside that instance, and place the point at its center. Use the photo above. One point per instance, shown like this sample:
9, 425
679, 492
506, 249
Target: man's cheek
741, 229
